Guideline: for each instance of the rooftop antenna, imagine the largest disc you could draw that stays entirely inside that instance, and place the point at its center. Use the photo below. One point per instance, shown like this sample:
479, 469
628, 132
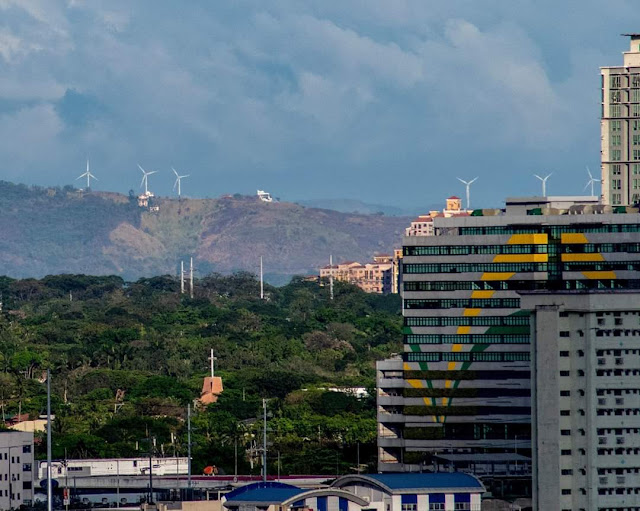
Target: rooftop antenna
544, 183
88, 175
49, 486
591, 181
261, 281
468, 187
178, 178
145, 178
181, 277
331, 276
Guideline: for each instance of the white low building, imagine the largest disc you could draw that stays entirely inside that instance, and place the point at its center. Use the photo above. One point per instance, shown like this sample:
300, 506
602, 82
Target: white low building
114, 467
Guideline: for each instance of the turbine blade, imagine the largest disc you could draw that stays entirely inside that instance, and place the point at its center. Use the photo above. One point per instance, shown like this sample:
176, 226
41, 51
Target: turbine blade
141, 169
474, 179
143, 179
589, 172
152, 172
174, 171
81, 176
586, 186
176, 183
461, 180
187, 175
538, 177
549, 175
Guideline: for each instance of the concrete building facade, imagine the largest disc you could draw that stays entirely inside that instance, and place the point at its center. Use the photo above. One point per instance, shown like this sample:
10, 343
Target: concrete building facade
16, 469
620, 129
462, 386
586, 399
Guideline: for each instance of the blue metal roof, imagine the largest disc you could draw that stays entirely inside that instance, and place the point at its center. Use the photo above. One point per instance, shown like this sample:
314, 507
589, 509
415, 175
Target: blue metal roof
439, 480
264, 492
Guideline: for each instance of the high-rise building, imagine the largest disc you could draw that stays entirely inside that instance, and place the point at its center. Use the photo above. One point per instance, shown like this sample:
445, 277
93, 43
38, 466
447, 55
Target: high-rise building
16, 469
460, 395
586, 399
620, 129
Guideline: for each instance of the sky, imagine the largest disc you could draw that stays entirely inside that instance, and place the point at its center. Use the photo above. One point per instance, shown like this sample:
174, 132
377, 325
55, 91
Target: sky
383, 101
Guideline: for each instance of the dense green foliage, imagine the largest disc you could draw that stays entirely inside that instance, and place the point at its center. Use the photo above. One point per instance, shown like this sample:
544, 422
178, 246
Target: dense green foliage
100, 334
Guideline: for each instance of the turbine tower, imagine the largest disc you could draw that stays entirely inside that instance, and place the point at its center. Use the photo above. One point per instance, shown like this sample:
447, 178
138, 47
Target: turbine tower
178, 178
468, 187
145, 178
544, 183
88, 175
591, 182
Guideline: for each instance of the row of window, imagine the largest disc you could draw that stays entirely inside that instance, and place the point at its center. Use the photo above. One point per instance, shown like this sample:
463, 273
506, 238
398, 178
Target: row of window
468, 321
466, 339
601, 265
597, 248
541, 229
439, 250
620, 81
491, 356
461, 303
470, 285
474, 267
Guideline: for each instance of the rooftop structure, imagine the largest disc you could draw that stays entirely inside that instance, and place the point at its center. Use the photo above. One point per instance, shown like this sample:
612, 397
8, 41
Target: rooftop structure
389, 492
423, 225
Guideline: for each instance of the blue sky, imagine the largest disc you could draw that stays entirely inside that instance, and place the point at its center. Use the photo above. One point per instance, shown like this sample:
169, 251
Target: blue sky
384, 101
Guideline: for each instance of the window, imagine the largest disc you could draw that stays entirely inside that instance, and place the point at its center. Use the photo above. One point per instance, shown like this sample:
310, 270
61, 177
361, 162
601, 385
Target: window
635, 95
616, 126
565, 333
565, 393
635, 110
615, 169
616, 139
566, 491
566, 472
615, 110
565, 452
564, 353
615, 96
565, 432
565, 373
635, 169
26, 449
565, 413
616, 184
615, 81
409, 507
616, 155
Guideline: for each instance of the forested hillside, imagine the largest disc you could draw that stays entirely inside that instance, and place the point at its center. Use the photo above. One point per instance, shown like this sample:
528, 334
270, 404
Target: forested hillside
101, 334
64, 230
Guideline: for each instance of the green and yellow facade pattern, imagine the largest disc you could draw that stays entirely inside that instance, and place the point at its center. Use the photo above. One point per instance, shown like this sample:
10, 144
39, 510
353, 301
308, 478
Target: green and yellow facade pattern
466, 360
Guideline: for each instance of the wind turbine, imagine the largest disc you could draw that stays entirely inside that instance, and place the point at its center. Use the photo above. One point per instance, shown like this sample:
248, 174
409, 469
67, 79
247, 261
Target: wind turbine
88, 175
145, 178
544, 183
468, 186
178, 178
591, 181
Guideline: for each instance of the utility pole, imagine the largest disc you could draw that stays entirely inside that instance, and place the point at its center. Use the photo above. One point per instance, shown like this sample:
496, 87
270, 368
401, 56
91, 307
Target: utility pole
181, 277
49, 489
264, 440
191, 279
189, 450
261, 281
331, 277
150, 468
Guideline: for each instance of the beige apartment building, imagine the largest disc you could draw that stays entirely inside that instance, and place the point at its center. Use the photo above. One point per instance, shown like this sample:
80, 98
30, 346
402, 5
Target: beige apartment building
423, 225
620, 129
371, 277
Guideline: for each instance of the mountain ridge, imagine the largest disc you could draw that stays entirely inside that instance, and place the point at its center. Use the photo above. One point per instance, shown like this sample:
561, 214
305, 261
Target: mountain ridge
66, 230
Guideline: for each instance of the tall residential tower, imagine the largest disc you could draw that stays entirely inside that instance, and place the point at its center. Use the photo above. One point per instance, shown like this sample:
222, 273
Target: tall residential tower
620, 129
